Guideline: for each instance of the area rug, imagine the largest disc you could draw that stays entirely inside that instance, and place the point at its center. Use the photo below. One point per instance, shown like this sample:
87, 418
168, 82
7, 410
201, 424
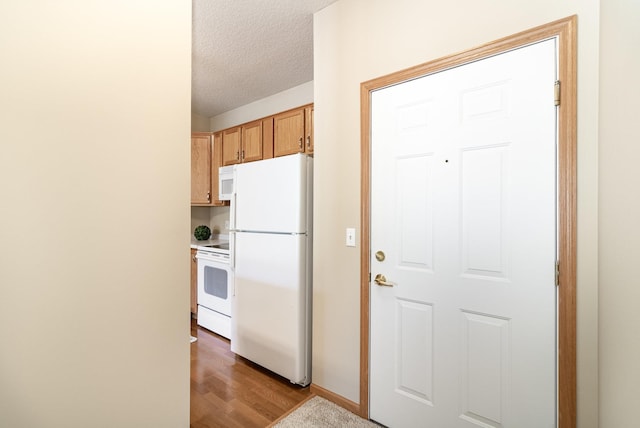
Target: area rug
321, 413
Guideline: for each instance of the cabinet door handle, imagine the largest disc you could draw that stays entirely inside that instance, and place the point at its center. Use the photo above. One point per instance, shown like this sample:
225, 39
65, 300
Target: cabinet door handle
308, 141
238, 155
208, 196
300, 143
242, 157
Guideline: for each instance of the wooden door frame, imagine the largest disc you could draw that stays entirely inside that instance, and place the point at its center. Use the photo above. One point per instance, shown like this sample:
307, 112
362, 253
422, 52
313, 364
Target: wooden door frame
565, 30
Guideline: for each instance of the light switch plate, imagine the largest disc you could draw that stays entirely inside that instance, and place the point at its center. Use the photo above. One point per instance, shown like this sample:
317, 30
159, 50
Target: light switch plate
351, 237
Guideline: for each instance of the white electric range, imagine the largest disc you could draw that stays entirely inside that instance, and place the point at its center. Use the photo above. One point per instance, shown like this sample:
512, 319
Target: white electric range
215, 287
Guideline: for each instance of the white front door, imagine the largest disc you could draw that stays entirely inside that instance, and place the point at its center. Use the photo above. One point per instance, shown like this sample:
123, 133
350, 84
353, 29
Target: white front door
463, 214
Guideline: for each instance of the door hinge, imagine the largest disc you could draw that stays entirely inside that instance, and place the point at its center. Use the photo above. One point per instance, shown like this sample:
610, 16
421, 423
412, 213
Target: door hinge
557, 273
556, 93
369, 277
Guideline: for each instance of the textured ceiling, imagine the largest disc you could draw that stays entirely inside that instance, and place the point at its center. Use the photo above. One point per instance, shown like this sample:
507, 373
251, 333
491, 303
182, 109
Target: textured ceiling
245, 50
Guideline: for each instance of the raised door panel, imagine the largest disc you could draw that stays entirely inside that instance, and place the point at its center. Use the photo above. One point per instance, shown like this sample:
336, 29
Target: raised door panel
231, 142
288, 133
200, 169
308, 129
251, 142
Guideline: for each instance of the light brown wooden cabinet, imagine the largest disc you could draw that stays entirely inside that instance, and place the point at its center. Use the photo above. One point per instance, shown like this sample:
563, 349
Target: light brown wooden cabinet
201, 157
206, 158
243, 143
267, 138
308, 129
231, 139
293, 131
251, 147
278, 135
216, 163
194, 283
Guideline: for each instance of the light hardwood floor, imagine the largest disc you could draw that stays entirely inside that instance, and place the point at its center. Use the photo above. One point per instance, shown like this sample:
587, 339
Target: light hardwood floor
230, 391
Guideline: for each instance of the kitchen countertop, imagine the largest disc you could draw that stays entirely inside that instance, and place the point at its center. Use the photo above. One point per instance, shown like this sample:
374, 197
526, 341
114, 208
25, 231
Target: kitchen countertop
212, 241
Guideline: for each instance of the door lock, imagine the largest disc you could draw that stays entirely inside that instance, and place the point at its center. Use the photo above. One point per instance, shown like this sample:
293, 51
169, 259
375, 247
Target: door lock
380, 256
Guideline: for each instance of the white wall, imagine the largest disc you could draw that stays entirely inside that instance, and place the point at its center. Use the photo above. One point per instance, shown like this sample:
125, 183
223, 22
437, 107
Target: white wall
357, 40
94, 178
282, 101
619, 213
217, 218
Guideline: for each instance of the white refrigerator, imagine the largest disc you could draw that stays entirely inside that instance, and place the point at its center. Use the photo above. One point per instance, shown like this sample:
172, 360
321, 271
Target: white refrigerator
270, 237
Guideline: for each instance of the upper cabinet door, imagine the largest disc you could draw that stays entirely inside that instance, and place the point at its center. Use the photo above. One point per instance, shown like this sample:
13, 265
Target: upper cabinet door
251, 142
231, 142
267, 138
288, 133
201, 169
308, 129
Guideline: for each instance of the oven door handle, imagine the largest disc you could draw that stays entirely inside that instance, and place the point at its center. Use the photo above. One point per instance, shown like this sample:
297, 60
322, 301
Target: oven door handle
212, 258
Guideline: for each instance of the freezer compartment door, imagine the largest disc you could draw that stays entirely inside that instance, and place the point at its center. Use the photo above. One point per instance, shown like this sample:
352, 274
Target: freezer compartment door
271, 306
271, 195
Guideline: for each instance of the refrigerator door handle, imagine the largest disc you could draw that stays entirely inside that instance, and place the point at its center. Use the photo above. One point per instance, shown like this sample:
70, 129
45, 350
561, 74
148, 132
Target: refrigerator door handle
232, 212
232, 261
232, 232
232, 249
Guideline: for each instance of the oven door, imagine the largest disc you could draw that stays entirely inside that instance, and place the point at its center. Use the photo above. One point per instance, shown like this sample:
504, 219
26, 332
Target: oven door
215, 282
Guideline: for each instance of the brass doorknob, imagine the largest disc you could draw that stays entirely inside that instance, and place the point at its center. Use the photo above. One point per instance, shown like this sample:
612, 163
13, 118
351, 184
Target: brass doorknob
380, 256
382, 281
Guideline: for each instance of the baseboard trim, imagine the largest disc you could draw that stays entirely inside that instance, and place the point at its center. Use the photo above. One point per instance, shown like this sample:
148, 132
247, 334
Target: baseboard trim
337, 399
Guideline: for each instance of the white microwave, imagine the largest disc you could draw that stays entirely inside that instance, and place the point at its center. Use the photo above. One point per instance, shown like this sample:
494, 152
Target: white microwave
225, 182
